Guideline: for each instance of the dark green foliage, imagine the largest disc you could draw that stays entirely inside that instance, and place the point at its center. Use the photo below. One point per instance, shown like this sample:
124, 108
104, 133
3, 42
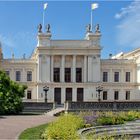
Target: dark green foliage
11, 94
109, 120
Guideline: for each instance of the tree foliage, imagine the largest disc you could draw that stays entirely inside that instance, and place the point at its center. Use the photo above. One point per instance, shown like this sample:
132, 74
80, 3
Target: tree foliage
11, 94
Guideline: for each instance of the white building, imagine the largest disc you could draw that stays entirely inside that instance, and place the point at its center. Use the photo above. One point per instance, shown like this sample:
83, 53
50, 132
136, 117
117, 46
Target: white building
72, 69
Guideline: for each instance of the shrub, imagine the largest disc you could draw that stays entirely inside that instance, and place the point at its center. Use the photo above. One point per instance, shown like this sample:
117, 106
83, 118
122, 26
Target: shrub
110, 120
109, 117
11, 94
64, 128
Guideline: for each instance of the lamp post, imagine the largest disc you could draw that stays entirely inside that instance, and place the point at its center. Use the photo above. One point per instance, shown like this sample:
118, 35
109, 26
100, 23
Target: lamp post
46, 90
99, 89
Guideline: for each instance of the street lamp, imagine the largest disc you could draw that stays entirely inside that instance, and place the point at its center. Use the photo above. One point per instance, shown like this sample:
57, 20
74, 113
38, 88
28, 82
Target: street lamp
99, 89
46, 90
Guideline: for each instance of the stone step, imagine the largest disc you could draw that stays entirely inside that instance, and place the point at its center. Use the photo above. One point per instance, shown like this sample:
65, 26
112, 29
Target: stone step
56, 111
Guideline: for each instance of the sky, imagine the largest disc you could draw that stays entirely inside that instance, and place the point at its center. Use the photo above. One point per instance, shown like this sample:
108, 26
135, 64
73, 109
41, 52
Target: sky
119, 24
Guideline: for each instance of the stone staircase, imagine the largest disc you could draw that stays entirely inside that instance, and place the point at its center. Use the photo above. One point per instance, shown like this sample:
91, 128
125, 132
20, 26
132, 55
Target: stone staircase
55, 112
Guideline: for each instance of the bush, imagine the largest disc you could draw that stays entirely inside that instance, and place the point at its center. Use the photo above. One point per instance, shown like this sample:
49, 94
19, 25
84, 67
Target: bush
64, 128
109, 120
104, 121
117, 117
11, 94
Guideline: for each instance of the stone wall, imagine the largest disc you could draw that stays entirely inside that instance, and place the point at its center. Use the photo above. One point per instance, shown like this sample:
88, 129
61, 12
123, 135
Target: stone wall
102, 106
37, 107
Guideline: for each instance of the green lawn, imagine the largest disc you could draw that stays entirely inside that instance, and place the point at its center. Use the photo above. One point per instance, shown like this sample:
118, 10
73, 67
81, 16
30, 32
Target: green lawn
33, 133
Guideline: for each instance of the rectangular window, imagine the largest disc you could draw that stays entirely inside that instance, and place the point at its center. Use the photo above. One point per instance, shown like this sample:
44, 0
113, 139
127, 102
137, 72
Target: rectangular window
116, 95
18, 75
127, 95
104, 95
116, 77
57, 95
80, 94
78, 74
29, 94
7, 73
56, 74
68, 94
29, 75
127, 77
67, 74
105, 76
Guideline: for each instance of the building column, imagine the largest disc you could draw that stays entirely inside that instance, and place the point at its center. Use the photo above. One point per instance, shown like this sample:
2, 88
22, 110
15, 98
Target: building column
74, 68
74, 94
133, 76
39, 67
52, 67
111, 76
85, 68
24, 75
62, 68
122, 76
13, 75
63, 95
89, 68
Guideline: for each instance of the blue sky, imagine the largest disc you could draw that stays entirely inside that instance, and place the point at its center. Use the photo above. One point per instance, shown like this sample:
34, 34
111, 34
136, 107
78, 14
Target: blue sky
119, 23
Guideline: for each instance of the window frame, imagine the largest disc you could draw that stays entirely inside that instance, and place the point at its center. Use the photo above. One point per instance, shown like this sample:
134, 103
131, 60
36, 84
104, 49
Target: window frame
127, 94
29, 94
105, 76
127, 76
105, 97
67, 75
116, 76
116, 95
29, 73
7, 72
79, 75
18, 74
56, 76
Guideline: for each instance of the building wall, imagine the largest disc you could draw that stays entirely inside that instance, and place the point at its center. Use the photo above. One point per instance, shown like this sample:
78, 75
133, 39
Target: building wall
73, 54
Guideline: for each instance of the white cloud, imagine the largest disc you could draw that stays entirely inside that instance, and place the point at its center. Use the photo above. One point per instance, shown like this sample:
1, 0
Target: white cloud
6, 41
18, 43
129, 26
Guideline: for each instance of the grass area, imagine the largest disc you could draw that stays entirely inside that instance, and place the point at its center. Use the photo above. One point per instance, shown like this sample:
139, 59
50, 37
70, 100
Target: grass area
33, 133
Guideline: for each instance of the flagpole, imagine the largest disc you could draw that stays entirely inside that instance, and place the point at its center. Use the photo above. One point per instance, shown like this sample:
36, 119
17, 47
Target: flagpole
43, 20
91, 19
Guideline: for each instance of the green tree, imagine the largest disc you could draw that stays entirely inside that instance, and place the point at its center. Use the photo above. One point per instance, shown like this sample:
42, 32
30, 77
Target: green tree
11, 94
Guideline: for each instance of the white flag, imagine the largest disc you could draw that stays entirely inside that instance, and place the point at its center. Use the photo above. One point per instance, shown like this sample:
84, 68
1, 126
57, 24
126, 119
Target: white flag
45, 6
94, 6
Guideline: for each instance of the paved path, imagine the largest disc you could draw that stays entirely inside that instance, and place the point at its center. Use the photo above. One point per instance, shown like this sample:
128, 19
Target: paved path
12, 126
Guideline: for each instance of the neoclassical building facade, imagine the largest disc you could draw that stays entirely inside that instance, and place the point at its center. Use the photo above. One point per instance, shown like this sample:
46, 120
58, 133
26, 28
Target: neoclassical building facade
73, 69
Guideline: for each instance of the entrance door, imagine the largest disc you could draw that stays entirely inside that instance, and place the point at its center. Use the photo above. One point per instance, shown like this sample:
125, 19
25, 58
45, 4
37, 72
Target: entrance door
57, 95
80, 94
68, 94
